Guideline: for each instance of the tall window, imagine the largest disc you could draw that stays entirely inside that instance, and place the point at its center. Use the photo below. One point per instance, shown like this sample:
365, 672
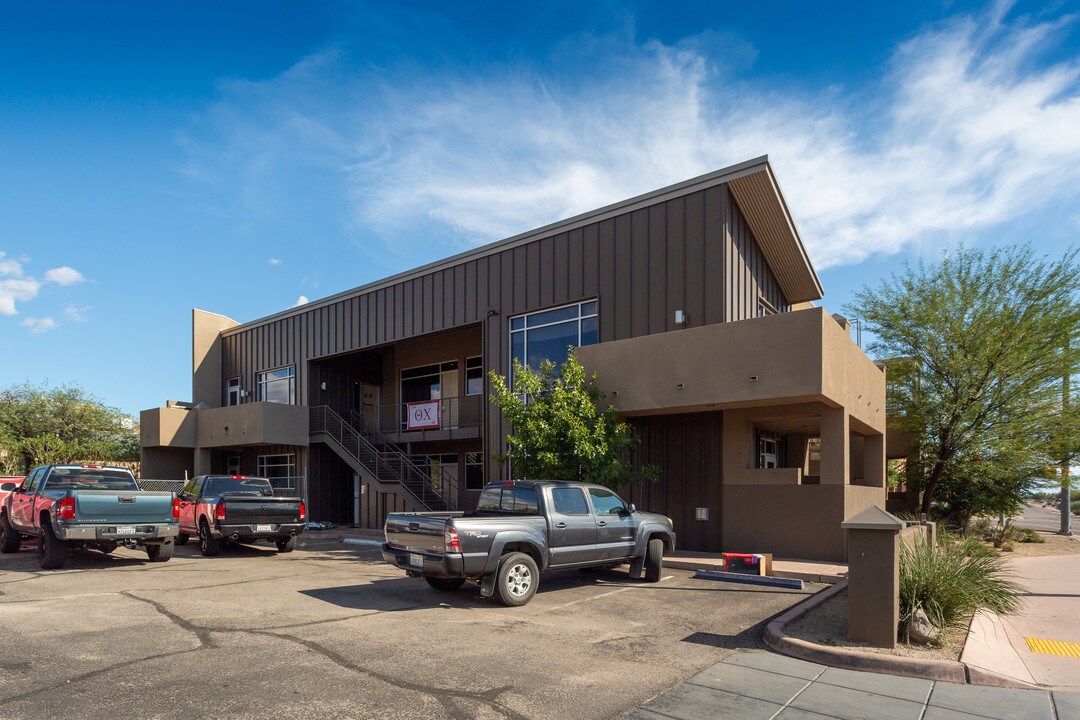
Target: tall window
474, 376
474, 471
276, 386
280, 469
232, 391
546, 335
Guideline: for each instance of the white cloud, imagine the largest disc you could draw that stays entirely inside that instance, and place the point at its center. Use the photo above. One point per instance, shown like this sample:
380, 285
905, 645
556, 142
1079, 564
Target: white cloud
39, 325
13, 289
274, 261
302, 300
10, 266
77, 314
967, 128
64, 275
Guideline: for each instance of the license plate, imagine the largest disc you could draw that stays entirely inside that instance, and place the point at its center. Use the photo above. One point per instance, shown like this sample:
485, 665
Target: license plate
125, 530
264, 528
416, 559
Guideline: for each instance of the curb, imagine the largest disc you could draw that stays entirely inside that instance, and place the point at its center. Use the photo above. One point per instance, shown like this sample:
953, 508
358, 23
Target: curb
951, 671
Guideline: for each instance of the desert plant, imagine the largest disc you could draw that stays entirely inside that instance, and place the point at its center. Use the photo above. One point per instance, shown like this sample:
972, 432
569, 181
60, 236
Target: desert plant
1028, 535
951, 580
1074, 506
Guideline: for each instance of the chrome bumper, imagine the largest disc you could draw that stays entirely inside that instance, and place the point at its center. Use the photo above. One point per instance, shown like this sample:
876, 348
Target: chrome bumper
107, 533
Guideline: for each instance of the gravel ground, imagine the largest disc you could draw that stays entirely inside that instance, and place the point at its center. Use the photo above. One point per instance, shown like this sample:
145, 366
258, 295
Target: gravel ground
1055, 545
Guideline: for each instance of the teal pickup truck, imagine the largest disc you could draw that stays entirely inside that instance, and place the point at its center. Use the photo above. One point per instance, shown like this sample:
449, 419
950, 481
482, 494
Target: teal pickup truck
86, 506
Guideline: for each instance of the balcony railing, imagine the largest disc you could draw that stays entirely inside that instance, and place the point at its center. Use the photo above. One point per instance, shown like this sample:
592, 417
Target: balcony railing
453, 413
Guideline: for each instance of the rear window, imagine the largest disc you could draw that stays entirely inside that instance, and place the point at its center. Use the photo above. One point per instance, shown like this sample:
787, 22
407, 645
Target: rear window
224, 486
91, 479
509, 499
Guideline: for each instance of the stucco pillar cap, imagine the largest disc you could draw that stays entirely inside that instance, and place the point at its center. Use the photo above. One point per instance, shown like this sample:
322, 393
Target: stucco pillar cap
873, 518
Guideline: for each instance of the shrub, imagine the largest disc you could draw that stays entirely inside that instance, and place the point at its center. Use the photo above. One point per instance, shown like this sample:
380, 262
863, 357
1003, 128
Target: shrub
1027, 535
950, 581
1074, 506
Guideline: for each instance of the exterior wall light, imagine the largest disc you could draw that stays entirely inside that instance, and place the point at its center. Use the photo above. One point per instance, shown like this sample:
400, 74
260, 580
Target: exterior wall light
322, 386
753, 378
680, 317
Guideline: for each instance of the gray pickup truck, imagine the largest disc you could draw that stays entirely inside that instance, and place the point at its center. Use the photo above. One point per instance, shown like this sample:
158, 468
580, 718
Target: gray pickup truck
521, 529
66, 506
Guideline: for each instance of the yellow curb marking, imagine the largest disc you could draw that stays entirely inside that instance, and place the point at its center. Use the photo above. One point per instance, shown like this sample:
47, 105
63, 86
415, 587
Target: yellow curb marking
1054, 647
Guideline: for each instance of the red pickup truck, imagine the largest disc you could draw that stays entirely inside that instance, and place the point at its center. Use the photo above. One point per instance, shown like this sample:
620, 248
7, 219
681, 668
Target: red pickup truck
238, 509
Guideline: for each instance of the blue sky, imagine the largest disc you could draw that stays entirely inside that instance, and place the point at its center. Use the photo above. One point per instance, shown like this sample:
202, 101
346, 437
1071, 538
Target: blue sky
241, 157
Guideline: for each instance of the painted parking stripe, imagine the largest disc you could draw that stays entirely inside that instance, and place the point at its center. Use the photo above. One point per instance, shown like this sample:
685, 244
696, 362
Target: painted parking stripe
597, 597
1054, 647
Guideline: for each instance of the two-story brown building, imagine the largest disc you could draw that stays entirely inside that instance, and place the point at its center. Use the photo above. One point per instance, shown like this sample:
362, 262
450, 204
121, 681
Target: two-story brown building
693, 304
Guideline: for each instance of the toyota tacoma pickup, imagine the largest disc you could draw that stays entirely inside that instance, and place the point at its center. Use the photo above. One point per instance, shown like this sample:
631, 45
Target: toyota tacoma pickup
521, 529
238, 509
86, 506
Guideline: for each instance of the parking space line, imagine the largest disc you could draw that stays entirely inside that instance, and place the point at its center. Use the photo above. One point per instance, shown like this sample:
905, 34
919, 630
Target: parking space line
597, 597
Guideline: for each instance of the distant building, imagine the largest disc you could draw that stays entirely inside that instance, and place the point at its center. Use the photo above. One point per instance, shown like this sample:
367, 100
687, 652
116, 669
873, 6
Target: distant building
693, 305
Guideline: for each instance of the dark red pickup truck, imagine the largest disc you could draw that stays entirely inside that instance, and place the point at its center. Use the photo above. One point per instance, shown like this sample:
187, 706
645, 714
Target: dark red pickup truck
238, 509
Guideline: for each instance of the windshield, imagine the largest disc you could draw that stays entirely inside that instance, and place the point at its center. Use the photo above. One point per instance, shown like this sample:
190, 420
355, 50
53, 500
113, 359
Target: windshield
224, 486
91, 479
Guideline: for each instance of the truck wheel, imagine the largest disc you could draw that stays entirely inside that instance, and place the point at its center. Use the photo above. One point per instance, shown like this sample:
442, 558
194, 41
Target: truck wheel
285, 545
10, 540
51, 553
107, 548
182, 539
160, 553
445, 584
208, 546
517, 578
654, 560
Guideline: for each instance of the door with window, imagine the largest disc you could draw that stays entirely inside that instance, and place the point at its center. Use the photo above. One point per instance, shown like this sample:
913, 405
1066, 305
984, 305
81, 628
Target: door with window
431, 382
614, 526
573, 527
188, 498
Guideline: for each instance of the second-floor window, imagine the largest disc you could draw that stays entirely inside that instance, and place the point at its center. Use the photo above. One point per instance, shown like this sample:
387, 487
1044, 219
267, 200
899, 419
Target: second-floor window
546, 335
276, 386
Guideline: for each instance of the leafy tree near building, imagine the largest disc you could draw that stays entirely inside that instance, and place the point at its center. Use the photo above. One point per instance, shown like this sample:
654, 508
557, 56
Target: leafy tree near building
984, 340
41, 424
560, 431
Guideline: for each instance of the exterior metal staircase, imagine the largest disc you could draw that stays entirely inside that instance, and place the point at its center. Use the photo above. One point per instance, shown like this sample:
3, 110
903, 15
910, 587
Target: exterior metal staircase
387, 465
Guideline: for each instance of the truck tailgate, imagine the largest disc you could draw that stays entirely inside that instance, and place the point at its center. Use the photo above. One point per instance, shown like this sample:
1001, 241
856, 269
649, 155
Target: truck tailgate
120, 506
422, 532
261, 510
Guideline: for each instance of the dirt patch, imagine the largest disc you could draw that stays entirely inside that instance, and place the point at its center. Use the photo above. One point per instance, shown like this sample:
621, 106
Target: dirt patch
1055, 545
827, 625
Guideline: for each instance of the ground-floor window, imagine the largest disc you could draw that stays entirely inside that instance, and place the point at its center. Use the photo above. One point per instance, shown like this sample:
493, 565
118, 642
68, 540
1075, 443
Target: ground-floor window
232, 465
280, 469
474, 471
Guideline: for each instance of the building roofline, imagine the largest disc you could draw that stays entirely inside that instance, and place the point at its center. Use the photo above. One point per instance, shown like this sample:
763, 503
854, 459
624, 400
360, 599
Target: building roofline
702, 182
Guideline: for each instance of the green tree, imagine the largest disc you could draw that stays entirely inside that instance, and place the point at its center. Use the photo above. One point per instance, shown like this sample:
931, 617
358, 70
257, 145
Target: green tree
984, 340
41, 424
560, 431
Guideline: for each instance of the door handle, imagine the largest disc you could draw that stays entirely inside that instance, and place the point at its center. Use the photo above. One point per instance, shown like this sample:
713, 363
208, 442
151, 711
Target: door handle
601, 524
560, 525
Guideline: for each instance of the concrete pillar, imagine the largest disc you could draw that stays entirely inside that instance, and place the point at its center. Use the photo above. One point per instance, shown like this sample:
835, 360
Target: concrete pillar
202, 462
835, 446
873, 552
874, 460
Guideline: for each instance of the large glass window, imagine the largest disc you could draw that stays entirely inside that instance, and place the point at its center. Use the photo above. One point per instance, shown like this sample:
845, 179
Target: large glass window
430, 382
281, 468
276, 386
547, 334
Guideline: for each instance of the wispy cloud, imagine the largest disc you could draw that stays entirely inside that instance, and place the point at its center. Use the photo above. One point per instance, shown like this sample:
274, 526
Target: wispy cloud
39, 325
274, 261
10, 266
64, 275
302, 300
968, 127
77, 314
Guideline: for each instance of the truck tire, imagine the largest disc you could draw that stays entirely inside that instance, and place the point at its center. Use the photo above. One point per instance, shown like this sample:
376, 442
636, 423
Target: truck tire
285, 545
52, 553
445, 584
208, 545
654, 560
516, 579
10, 540
182, 539
160, 553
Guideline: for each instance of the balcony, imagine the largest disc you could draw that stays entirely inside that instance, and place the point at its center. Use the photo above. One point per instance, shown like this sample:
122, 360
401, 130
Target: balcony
454, 418
257, 423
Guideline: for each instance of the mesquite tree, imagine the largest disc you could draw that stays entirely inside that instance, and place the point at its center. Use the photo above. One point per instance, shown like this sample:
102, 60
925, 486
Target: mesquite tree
980, 343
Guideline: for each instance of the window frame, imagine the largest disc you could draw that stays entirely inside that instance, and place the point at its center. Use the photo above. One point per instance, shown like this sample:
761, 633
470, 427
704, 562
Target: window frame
261, 383
526, 327
468, 368
478, 462
261, 465
230, 389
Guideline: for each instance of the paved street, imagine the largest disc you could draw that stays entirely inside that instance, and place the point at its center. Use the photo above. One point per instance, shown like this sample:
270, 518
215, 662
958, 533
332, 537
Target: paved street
762, 686
330, 631
1043, 518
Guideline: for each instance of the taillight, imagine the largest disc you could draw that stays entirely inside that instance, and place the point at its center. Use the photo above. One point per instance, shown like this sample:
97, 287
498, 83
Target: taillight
453, 545
303, 511
66, 509
219, 512
176, 508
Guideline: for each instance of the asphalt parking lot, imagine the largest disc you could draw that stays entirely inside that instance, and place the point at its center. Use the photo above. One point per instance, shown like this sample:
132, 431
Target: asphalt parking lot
331, 631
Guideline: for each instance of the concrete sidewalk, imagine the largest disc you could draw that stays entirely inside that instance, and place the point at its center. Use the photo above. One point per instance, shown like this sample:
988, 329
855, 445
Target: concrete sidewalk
753, 686
1040, 645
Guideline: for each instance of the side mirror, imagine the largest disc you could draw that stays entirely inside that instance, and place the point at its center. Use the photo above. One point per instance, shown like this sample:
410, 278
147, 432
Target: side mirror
7, 487
630, 509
